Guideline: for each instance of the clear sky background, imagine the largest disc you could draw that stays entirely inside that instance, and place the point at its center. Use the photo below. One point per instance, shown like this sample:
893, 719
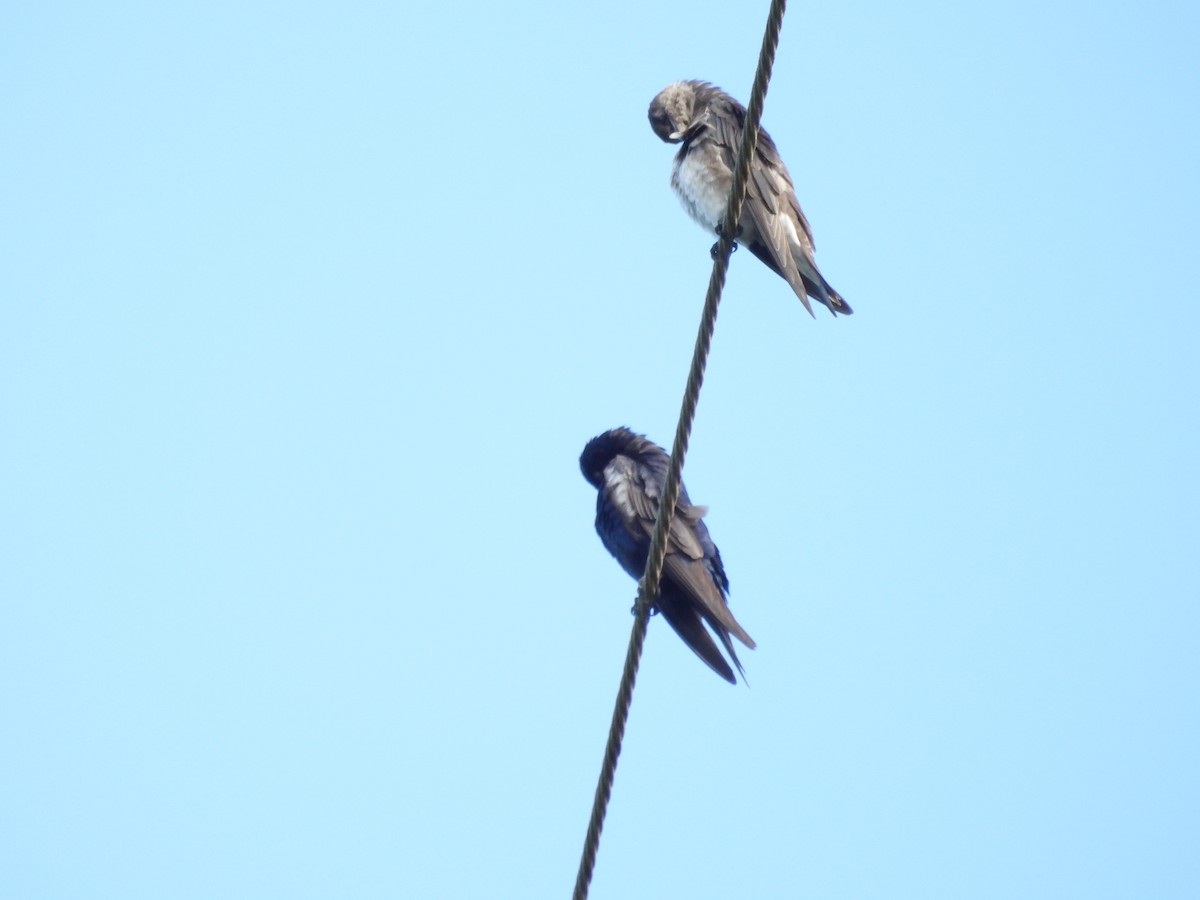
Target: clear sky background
308, 310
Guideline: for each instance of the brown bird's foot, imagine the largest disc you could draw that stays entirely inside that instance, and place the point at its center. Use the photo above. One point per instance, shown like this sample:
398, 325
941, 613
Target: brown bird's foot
713, 251
720, 230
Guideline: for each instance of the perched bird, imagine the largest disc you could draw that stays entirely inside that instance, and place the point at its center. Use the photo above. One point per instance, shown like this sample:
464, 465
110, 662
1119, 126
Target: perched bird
630, 472
708, 122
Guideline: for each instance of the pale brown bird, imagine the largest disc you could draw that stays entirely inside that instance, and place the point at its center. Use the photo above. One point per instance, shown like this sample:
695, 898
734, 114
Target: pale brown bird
708, 123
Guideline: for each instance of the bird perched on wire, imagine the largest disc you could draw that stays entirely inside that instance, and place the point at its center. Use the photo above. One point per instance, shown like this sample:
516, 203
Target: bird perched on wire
630, 472
708, 123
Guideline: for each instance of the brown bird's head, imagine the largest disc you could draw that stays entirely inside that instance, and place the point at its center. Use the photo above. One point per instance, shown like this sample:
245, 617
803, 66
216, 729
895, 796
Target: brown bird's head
677, 108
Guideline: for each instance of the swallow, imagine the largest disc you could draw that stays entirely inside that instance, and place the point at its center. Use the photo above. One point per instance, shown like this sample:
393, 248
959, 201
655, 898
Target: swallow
629, 472
708, 123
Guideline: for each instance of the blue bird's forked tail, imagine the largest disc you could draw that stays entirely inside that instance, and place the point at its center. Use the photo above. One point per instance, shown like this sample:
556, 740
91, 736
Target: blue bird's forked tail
682, 616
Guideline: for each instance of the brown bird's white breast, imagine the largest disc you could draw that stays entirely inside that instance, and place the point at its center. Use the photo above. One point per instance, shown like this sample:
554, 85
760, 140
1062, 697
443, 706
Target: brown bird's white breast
702, 188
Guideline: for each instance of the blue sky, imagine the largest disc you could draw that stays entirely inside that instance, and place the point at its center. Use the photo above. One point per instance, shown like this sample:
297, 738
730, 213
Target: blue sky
308, 311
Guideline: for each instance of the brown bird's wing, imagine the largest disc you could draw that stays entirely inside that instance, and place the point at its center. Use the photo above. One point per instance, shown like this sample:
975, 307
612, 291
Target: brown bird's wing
774, 228
771, 214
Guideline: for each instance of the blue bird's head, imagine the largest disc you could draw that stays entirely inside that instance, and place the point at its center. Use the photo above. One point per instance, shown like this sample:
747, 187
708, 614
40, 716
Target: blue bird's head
602, 449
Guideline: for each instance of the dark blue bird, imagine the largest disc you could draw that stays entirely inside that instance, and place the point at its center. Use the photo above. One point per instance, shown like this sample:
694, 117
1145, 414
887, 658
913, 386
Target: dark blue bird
629, 472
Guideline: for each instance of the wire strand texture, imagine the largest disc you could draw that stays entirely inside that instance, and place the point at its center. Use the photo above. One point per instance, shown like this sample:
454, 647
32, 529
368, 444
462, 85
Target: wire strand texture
649, 585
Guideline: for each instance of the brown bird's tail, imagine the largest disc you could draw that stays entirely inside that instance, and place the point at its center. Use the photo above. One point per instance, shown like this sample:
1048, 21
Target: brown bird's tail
804, 278
820, 289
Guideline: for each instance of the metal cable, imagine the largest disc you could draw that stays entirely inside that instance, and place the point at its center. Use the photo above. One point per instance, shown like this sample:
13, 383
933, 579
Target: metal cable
651, 578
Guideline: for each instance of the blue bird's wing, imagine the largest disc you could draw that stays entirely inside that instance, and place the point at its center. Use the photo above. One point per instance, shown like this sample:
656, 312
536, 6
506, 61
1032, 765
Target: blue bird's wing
694, 581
